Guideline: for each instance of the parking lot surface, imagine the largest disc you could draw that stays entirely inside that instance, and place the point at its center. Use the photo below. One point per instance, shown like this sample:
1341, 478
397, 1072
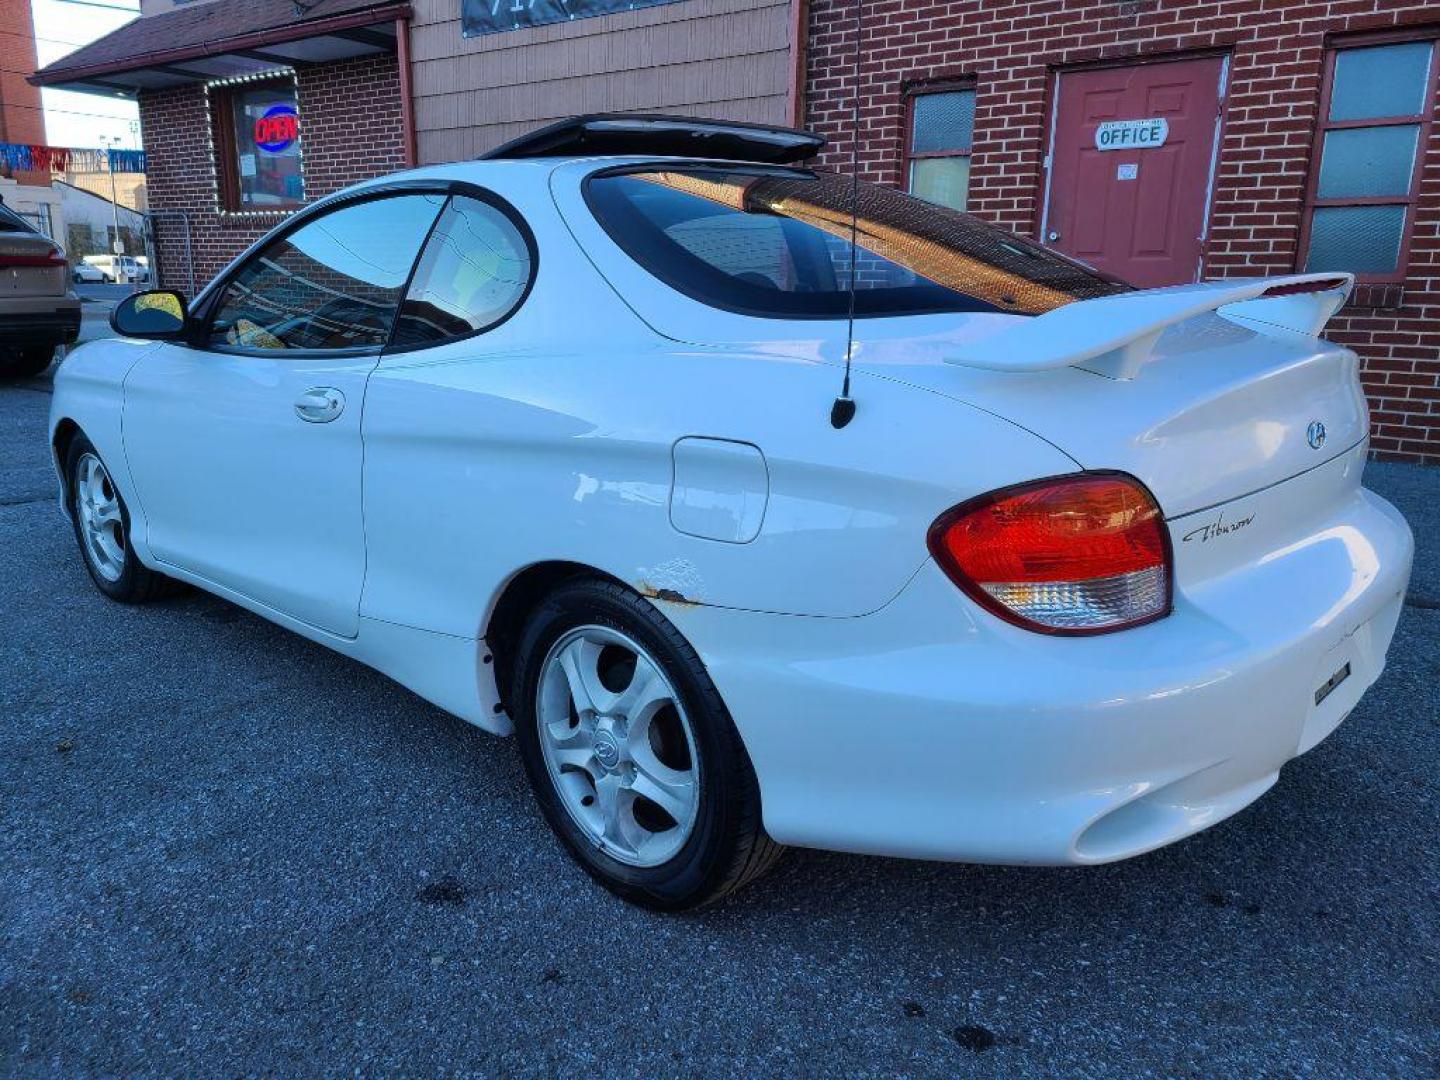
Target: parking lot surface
225, 850
96, 304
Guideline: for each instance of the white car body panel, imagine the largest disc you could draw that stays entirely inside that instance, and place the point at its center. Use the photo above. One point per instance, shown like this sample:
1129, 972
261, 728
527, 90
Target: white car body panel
688, 453
928, 731
216, 448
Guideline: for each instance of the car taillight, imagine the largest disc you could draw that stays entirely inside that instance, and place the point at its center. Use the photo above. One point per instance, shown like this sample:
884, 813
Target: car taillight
53, 257
1082, 554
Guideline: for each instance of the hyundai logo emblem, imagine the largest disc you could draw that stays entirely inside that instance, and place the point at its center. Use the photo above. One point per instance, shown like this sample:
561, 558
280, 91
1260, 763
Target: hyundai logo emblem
607, 750
1315, 434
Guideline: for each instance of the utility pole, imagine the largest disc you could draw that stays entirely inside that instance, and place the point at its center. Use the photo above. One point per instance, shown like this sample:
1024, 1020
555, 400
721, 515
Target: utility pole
118, 248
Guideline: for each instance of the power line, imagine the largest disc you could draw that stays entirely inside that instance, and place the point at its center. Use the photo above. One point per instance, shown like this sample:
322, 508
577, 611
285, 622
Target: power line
42, 37
97, 4
68, 112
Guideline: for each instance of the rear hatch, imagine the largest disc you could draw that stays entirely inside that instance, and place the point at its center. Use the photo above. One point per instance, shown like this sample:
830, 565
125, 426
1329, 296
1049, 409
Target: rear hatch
31, 265
1218, 410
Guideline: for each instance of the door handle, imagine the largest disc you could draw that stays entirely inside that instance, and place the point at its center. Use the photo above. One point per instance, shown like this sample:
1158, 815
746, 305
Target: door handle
320, 404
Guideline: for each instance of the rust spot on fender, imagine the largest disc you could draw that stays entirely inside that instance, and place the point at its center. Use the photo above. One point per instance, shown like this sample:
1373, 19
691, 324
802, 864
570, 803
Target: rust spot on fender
670, 596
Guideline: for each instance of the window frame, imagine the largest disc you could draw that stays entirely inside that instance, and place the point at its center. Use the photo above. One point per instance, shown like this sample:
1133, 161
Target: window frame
227, 163
1324, 125
210, 300
908, 154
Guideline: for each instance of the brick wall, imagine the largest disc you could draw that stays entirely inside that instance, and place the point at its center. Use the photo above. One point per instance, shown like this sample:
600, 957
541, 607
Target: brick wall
21, 118
350, 130
1277, 52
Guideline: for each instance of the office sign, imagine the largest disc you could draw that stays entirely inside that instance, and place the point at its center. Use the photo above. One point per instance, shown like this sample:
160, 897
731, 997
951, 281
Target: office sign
1132, 134
495, 16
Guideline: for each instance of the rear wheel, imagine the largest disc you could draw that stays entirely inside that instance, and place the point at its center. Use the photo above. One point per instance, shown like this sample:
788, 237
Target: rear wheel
25, 363
102, 529
632, 756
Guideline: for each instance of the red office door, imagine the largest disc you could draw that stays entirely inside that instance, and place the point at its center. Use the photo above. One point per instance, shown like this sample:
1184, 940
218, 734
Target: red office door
1131, 161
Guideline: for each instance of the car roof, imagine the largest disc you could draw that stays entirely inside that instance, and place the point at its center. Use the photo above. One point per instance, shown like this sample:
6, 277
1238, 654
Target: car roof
478, 169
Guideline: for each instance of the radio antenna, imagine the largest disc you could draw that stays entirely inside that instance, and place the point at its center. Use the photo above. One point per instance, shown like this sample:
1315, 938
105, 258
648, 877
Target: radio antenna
843, 411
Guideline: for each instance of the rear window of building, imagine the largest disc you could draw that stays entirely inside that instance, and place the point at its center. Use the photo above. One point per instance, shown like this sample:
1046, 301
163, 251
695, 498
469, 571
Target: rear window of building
776, 243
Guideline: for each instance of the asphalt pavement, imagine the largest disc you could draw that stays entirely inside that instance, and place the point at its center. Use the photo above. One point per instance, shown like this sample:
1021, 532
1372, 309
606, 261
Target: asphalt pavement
226, 851
96, 304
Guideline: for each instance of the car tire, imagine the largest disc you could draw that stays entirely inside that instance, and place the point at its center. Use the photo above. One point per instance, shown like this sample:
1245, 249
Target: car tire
103, 533
27, 362
724, 845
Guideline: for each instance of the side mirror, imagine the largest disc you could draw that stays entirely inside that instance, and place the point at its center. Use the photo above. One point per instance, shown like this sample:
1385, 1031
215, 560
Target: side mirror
160, 315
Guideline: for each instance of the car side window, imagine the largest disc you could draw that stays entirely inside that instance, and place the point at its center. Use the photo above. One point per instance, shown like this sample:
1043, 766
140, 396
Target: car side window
335, 283
475, 272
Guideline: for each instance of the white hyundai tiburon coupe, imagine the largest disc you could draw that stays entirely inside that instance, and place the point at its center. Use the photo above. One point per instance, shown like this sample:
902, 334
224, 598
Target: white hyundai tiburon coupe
565, 440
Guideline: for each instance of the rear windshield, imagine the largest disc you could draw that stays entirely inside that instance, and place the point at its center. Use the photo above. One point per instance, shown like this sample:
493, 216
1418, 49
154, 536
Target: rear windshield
776, 243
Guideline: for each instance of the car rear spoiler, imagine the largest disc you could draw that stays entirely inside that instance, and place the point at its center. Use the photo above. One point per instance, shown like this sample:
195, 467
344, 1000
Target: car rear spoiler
664, 136
1114, 335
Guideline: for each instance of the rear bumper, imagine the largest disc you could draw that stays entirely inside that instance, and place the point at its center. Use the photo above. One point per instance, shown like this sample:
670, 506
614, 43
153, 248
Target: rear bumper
932, 730
44, 320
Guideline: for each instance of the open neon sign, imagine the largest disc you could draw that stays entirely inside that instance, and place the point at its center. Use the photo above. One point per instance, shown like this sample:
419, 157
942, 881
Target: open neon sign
277, 130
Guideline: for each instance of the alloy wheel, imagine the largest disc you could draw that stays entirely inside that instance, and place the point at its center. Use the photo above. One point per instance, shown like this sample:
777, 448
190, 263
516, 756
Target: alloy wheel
101, 526
618, 746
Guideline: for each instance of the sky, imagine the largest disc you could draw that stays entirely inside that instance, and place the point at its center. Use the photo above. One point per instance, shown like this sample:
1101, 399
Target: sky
71, 119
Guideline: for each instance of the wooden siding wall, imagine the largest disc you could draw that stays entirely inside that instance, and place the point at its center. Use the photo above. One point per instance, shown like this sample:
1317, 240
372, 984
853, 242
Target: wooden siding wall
718, 58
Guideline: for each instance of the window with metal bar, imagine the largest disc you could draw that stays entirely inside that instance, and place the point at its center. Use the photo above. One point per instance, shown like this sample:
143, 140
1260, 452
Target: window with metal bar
1377, 104
941, 125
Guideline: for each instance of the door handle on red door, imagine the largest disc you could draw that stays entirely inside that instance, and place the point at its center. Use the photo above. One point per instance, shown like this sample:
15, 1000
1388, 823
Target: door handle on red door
320, 404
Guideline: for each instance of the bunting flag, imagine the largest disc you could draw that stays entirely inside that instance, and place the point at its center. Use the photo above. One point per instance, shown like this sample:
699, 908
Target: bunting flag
127, 161
88, 161
15, 157
20, 157
49, 158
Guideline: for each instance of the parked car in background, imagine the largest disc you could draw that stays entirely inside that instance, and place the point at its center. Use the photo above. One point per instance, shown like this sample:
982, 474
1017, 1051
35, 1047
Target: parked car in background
38, 312
1033, 568
84, 273
121, 269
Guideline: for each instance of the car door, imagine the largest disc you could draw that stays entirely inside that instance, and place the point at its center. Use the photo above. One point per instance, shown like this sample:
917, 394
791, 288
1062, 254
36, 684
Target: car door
244, 441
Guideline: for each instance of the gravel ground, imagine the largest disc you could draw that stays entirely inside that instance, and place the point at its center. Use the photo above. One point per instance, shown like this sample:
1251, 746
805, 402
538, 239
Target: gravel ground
225, 850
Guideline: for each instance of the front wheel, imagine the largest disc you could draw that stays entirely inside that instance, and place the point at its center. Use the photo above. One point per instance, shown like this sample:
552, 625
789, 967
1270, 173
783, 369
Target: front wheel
102, 529
634, 760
